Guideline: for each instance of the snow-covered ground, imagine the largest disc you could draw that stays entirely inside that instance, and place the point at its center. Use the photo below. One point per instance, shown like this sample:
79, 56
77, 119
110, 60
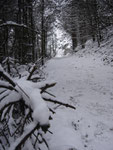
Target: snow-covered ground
85, 82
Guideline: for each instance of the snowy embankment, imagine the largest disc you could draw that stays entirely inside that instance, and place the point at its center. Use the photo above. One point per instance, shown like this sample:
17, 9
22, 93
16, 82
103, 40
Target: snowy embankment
85, 82
104, 51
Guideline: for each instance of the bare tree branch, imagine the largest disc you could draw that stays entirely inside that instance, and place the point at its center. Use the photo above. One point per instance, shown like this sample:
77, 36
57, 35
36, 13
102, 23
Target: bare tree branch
25, 137
46, 87
6, 77
10, 103
7, 87
31, 73
57, 102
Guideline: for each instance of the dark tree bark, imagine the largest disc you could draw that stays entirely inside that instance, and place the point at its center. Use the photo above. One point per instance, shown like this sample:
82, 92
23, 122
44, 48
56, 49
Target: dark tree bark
42, 31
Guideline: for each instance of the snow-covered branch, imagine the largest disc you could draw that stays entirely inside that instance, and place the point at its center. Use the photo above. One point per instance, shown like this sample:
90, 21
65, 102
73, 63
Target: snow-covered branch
7, 78
30, 129
24, 109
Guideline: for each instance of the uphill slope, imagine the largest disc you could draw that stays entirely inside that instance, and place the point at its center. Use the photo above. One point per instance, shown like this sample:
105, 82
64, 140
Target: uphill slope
86, 83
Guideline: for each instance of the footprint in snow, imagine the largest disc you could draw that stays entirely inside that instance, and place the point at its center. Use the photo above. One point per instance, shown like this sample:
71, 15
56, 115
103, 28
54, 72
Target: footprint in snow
101, 130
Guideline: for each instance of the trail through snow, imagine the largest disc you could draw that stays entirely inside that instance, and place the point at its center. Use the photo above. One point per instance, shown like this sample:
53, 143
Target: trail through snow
88, 85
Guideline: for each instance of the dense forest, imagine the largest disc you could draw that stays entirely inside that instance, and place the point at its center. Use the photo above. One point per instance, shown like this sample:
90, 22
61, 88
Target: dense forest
27, 40
27, 27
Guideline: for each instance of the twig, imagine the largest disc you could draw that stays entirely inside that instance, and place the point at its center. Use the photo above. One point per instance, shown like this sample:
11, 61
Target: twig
36, 136
7, 78
10, 103
52, 111
4, 97
49, 93
3, 91
57, 102
2, 145
56, 107
33, 69
23, 140
6, 138
50, 132
8, 87
46, 87
31, 73
6, 112
22, 124
44, 141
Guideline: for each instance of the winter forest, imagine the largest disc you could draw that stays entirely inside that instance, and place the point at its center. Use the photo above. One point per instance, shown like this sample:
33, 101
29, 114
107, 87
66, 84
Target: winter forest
56, 74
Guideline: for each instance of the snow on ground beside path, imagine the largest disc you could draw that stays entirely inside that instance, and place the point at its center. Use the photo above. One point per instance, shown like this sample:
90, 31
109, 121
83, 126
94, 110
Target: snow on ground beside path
88, 85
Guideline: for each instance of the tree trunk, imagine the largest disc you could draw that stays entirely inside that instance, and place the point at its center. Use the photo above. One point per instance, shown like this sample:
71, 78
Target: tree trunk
74, 41
42, 32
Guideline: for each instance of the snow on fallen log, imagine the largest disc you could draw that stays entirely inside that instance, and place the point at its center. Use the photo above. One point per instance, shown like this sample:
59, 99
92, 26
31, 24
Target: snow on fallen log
31, 94
41, 111
34, 96
33, 99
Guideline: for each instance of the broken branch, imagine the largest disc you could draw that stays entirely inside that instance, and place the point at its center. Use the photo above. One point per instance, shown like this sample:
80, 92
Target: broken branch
25, 137
6, 77
57, 102
46, 87
31, 73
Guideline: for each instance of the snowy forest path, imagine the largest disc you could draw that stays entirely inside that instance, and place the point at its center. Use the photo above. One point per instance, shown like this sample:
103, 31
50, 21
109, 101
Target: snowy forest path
88, 85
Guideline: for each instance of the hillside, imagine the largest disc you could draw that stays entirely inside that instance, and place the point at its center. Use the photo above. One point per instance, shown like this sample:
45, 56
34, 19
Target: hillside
104, 51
